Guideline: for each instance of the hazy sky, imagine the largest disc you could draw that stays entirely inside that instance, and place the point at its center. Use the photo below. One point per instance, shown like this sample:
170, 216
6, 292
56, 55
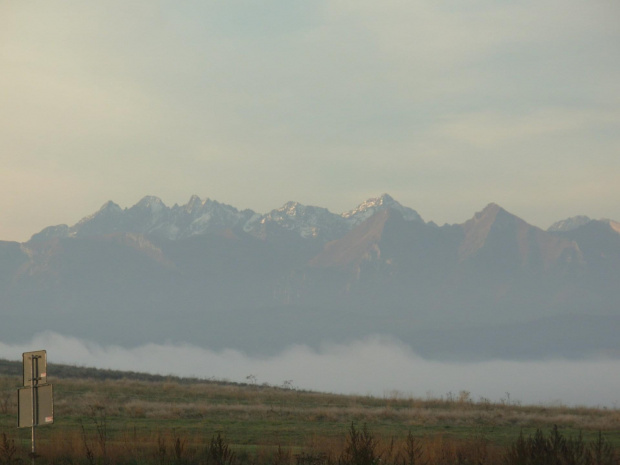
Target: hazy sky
446, 105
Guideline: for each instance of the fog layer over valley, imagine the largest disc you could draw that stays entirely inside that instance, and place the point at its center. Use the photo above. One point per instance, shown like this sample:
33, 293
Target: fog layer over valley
378, 366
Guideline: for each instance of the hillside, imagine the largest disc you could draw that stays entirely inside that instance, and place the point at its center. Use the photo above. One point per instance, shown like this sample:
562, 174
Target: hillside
117, 416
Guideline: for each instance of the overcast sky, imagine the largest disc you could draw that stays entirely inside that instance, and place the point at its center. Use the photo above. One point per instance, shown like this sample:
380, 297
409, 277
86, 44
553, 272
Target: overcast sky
446, 105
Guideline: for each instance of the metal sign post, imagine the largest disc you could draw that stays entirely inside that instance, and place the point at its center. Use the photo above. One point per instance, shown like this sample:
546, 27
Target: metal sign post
35, 400
35, 366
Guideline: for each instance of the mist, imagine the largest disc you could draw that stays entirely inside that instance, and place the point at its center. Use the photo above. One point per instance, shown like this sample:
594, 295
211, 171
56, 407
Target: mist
378, 366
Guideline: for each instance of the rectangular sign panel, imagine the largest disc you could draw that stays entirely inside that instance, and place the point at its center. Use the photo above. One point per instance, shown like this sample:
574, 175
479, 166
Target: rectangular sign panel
38, 361
43, 406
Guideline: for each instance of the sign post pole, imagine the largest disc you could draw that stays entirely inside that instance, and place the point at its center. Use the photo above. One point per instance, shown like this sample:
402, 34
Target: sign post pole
36, 407
33, 359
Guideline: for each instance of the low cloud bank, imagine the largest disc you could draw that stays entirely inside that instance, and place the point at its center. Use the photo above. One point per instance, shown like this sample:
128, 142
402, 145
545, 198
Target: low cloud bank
376, 366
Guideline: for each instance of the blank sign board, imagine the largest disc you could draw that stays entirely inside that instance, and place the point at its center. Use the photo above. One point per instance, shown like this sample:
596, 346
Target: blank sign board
43, 406
38, 361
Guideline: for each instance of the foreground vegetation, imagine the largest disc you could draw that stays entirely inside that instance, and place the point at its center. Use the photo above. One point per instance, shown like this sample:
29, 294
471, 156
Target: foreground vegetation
105, 417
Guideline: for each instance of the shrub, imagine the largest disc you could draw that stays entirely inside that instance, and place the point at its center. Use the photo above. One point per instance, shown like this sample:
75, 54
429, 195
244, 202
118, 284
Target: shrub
411, 453
360, 448
218, 452
600, 452
556, 449
7, 450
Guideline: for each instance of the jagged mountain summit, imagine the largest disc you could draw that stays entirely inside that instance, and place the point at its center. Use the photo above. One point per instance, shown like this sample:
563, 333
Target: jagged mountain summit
494, 233
576, 222
150, 216
374, 205
306, 221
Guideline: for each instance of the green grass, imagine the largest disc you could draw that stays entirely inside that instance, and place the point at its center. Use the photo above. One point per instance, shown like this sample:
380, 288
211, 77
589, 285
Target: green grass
256, 416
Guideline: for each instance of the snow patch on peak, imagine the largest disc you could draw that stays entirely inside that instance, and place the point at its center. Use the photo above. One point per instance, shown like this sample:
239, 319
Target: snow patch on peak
569, 224
107, 210
576, 222
194, 204
373, 205
150, 216
253, 221
152, 203
61, 230
213, 203
307, 221
297, 210
613, 225
290, 208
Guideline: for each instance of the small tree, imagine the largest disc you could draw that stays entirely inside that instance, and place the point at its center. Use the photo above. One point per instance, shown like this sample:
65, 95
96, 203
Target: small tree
600, 452
360, 448
412, 451
556, 449
219, 453
7, 450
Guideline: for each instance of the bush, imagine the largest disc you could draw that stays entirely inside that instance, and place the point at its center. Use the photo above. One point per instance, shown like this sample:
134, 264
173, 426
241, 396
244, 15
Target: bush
7, 450
411, 453
218, 452
556, 449
360, 448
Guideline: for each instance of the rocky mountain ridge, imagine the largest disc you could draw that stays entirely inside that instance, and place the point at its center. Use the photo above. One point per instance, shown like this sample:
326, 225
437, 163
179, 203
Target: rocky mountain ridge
207, 273
150, 216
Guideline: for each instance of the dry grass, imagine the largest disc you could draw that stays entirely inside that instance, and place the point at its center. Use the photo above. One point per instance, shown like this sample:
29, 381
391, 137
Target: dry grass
170, 421
171, 400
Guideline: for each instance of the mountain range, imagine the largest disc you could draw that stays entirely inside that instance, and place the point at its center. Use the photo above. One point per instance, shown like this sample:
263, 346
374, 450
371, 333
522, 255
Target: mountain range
209, 274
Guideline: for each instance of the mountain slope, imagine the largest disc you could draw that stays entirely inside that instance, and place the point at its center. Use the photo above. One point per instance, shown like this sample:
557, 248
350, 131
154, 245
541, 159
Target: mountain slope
500, 240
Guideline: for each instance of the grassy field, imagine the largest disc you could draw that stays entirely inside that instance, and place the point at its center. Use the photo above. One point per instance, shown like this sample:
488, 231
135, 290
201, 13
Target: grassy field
112, 417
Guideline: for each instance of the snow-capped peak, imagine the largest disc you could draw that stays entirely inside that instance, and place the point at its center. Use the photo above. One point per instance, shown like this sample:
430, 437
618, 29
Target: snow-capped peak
150, 202
291, 208
372, 203
297, 210
569, 224
307, 221
371, 206
194, 204
152, 217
